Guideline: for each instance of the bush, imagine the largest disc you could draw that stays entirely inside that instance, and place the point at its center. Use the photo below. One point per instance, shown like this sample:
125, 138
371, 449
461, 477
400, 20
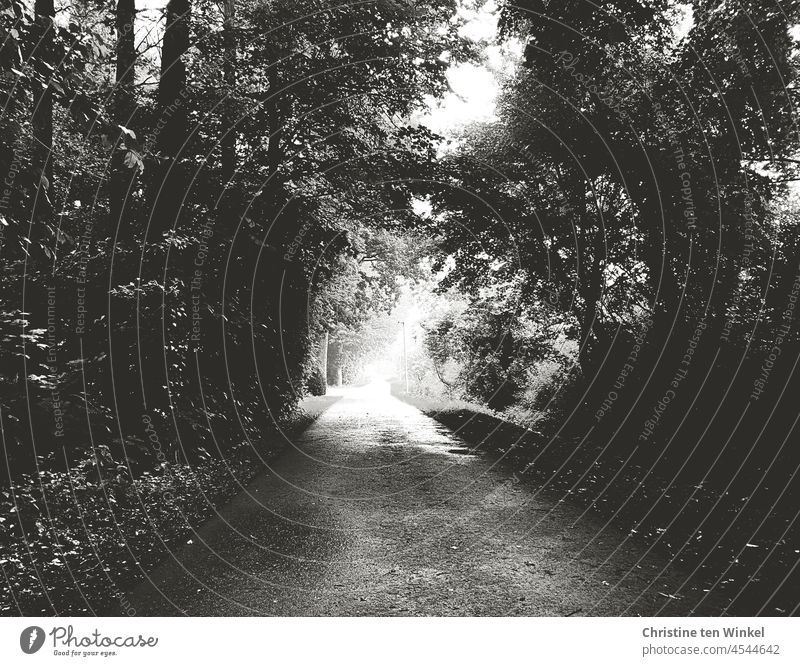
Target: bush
73, 543
316, 383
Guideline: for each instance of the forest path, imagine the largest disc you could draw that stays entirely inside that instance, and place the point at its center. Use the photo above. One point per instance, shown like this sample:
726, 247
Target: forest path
379, 510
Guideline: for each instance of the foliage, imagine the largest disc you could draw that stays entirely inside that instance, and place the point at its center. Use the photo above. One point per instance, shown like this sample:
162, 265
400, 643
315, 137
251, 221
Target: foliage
632, 192
122, 304
356, 306
177, 208
316, 383
71, 538
75, 542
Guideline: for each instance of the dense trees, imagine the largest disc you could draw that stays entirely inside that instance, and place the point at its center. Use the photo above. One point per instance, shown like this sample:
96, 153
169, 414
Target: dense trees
162, 265
633, 190
182, 228
627, 234
632, 195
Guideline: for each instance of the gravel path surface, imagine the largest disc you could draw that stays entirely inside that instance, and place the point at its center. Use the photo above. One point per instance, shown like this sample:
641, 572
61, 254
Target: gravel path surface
379, 510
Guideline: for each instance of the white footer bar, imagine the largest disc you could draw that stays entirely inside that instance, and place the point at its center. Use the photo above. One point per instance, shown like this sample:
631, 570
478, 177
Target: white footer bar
388, 641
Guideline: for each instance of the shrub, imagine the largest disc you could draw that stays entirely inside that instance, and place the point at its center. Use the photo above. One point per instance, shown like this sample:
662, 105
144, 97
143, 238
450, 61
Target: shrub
315, 383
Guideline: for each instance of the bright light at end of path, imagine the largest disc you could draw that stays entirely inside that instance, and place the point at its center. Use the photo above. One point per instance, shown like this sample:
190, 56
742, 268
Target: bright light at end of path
375, 373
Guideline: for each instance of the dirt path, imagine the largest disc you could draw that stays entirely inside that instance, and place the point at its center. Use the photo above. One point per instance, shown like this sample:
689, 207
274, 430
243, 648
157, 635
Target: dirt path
380, 511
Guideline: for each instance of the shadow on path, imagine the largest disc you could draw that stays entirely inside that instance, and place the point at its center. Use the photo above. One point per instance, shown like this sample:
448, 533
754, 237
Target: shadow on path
378, 510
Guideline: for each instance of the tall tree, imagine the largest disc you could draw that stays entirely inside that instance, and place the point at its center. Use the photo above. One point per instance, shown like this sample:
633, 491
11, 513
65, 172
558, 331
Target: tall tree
169, 180
125, 108
172, 89
228, 140
42, 117
125, 24
626, 174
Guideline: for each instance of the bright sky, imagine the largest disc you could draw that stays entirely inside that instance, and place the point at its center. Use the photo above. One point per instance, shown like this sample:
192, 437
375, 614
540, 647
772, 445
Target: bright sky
474, 88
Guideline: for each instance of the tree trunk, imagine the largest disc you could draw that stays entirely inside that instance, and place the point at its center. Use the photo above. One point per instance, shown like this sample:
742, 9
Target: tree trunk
339, 358
172, 88
168, 186
42, 116
591, 288
125, 22
228, 140
324, 362
590, 262
124, 113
